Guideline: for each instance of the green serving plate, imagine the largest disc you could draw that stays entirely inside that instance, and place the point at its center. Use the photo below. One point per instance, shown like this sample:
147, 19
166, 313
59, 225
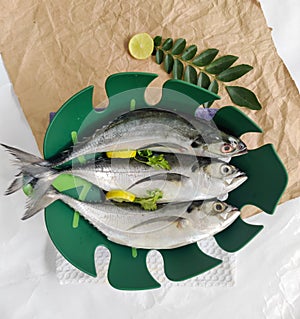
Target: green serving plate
76, 239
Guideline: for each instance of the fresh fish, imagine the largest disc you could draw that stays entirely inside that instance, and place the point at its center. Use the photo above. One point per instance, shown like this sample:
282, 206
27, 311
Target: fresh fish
190, 178
154, 129
158, 130
172, 225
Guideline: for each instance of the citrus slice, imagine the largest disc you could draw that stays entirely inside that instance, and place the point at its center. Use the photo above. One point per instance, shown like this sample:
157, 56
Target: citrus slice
121, 154
119, 195
141, 46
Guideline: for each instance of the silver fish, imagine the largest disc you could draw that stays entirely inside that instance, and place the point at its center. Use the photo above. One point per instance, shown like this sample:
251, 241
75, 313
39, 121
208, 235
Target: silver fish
158, 130
190, 178
172, 225
140, 129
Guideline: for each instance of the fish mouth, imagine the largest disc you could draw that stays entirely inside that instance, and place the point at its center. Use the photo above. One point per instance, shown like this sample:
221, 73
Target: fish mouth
233, 215
241, 148
242, 152
230, 215
240, 179
237, 181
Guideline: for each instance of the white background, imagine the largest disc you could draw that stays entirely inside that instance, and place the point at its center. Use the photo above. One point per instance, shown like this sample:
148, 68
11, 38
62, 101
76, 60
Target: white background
268, 269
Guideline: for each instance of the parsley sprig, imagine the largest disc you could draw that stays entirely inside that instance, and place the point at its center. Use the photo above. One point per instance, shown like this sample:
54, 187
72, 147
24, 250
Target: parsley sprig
150, 202
156, 161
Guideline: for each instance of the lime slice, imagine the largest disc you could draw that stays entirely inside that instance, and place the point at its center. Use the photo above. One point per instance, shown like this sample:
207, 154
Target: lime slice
121, 154
119, 195
141, 46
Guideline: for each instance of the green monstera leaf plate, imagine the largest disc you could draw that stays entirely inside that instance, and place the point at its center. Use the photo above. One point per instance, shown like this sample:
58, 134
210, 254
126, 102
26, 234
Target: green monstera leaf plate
77, 240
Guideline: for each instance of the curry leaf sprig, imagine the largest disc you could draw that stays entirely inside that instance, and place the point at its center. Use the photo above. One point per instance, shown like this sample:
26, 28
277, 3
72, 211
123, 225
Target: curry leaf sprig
204, 69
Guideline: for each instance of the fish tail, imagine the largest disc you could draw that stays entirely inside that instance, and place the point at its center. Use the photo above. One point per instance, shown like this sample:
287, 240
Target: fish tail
16, 184
33, 170
24, 157
38, 201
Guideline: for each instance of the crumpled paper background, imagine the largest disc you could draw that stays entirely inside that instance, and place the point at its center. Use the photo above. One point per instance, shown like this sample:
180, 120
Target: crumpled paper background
54, 49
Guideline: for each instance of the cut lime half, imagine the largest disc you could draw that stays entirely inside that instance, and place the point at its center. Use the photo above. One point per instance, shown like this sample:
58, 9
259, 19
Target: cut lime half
141, 46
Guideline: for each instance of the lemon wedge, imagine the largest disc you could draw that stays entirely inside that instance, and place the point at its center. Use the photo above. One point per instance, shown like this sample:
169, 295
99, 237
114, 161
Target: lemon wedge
121, 154
141, 46
119, 195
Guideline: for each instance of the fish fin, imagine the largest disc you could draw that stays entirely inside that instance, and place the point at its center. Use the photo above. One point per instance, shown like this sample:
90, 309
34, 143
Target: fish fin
161, 147
171, 177
23, 157
169, 219
32, 168
37, 201
16, 184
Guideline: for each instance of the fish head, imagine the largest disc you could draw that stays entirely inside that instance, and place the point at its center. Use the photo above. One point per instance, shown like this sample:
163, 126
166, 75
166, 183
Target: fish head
219, 145
230, 176
212, 216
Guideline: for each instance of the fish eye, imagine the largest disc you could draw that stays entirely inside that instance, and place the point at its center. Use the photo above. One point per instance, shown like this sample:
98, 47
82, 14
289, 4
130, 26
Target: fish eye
219, 207
225, 169
227, 148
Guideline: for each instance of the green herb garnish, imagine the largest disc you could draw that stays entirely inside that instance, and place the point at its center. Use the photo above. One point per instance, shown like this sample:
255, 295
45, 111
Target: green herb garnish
156, 161
204, 69
150, 202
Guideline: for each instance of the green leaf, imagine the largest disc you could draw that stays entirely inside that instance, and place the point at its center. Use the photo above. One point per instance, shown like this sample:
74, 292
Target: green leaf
145, 153
190, 74
234, 73
189, 53
150, 202
167, 45
157, 40
203, 80
177, 69
178, 46
205, 57
221, 64
158, 162
213, 87
159, 56
243, 97
168, 63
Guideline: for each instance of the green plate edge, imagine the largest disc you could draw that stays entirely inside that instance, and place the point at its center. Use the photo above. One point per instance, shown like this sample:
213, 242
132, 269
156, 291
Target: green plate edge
135, 275
267, 179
